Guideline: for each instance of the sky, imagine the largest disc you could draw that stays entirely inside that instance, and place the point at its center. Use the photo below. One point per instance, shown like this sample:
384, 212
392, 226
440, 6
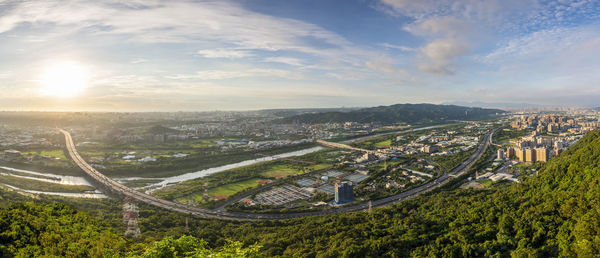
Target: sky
260, 54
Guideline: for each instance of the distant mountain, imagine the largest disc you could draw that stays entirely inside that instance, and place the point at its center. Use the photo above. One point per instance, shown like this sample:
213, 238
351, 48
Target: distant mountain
499, 105
299, 111
408, 113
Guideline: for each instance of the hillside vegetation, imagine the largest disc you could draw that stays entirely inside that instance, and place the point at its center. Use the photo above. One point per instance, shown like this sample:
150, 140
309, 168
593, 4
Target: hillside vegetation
407, 113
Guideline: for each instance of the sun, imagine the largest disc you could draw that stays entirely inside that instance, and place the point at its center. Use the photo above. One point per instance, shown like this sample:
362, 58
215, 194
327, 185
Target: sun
64, 79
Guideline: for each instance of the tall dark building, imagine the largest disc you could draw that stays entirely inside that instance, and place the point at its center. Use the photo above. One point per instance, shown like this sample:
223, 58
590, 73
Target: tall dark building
343, 193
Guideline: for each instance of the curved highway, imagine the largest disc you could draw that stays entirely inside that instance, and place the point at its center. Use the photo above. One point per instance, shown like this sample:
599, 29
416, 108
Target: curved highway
122, 190
458, 171
119, 189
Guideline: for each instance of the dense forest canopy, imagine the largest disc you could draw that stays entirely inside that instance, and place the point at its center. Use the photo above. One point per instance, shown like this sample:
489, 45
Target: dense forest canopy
554, 213
399, 113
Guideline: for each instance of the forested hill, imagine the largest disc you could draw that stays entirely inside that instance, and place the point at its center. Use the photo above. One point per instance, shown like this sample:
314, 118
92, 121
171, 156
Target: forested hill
408, 113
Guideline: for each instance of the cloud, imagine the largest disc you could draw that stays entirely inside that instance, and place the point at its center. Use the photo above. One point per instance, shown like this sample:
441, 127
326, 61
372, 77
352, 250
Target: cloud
224, 53
6, 74
215, 23
592, 43
347, 76
138, 60
448, 26
450, 39
417, 9
461, 26
486, 11
443, 26
403, 48
544, 42
285, 60
217, 29
223, 75
385, 65
439, 55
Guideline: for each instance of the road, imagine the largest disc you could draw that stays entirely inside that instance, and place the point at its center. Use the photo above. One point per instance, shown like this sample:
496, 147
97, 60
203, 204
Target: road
122, 190
439, 182
394, 132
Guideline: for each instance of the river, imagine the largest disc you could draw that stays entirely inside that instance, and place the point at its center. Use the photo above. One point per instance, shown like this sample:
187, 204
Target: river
95, 195
71, 180
59, 179
202, 173
209, 171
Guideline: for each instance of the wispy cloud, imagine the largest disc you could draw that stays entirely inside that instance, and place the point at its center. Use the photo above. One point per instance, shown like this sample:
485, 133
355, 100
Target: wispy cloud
221, 23
403, 48
454, 29
138, 60
224, 53
220, 29
385, 65
545, 42
5, 74
285, 60
222, 74
347, 76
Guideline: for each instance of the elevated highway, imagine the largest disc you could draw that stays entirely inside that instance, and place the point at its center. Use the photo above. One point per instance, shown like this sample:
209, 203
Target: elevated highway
118, 189
125, 191
430, 186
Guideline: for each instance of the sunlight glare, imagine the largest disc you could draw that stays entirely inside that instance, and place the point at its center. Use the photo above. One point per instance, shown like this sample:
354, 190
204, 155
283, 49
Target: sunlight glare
65, 79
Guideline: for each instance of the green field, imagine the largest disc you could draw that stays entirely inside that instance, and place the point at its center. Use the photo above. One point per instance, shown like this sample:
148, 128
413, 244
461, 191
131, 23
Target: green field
280, 171
383, 144
189, 189
317, 166
231, 189
50, 153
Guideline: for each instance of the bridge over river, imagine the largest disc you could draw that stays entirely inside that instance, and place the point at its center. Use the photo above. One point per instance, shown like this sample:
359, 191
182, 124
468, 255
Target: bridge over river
120, 190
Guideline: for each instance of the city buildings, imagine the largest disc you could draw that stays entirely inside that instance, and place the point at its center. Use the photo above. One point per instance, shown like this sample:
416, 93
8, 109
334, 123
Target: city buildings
553, 133
530, 155
500, 154
541, 154
343, 193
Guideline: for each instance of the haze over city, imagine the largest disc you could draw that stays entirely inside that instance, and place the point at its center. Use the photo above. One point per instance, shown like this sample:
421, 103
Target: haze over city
237, 55
299, 128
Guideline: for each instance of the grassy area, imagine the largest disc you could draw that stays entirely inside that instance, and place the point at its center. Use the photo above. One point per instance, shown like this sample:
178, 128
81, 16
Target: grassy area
389, 139
451, 161
50, 153
506, 135
263, 170
29, 184
140, 183
59, 167
384, 144
231, 189
392, 128
280, 171
317, 166
487, 183
164, 166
